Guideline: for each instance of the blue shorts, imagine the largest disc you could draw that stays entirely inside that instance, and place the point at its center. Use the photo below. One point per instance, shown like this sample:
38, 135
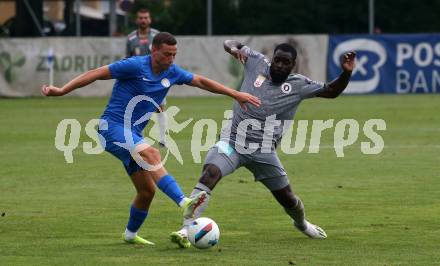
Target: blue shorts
115, 134
164, 102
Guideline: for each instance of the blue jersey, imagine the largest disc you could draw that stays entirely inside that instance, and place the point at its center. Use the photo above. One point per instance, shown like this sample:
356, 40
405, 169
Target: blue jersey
134, 76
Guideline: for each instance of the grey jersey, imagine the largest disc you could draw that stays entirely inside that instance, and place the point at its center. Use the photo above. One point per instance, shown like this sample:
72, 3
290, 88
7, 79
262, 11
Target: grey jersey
264, 125
138, 46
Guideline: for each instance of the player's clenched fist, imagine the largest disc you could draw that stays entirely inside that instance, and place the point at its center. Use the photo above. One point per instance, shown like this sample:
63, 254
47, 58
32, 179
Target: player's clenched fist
348, 61
236, 53
51, 91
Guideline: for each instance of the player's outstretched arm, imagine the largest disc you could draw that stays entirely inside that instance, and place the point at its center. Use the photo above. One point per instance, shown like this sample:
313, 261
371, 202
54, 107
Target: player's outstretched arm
213, 86
233, 47
82, 80
337, 86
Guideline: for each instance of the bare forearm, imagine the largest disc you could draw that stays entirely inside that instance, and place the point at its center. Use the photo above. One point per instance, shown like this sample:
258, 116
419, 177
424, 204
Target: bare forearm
215, 87
85, 79
338, 85
78, 82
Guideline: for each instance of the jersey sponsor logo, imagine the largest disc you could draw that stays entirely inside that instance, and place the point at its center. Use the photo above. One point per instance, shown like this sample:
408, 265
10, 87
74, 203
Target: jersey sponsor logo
259, 81
372, 56
165, 82
286, 88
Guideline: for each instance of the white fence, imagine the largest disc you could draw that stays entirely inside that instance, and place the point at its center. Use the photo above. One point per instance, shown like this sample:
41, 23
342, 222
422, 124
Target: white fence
23, 61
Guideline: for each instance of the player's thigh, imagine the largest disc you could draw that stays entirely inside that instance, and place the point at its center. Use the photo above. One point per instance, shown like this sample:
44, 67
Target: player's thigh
267, 168
144, 151
113, 138
224, 157
148, 158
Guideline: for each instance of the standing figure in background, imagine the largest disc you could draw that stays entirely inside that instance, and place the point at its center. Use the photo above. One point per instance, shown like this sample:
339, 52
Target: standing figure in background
139, 43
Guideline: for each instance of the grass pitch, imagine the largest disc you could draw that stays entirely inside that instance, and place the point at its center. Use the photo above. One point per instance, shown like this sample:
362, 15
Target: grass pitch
376, 209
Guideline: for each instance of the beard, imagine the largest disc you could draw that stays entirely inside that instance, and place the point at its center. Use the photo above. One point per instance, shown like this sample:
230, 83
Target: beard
277, 76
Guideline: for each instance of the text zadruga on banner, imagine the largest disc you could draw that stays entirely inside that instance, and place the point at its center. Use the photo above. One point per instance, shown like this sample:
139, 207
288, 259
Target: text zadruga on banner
389, 63
28, 63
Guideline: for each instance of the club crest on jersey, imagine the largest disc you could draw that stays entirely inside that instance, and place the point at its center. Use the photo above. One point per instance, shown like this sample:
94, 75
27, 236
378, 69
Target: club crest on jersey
165, 82
286, 88
259, 81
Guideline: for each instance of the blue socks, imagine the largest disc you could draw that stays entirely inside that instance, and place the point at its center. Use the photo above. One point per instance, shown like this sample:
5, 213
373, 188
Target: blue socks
170, 187
137, 218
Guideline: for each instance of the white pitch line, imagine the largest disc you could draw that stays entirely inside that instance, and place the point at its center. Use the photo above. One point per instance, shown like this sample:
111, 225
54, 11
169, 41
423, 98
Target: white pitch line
429, 146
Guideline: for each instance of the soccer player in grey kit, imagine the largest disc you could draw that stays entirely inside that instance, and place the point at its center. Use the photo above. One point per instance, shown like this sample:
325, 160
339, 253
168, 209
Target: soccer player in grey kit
139, 41
251, 137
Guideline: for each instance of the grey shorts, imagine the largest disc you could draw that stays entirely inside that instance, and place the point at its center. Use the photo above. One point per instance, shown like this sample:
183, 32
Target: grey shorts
266, 167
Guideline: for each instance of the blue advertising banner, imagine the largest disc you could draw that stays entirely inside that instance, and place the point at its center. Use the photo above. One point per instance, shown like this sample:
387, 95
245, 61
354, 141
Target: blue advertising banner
389, 63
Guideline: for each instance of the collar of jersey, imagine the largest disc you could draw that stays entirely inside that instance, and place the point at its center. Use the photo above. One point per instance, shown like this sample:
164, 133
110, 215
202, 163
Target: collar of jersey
149, 70
139, 36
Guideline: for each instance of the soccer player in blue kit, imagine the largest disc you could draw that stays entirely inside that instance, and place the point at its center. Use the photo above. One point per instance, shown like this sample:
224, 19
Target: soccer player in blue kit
137, 79
139, 42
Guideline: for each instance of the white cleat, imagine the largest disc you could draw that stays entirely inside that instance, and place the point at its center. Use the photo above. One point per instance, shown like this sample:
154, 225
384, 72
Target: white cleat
192, 204
312, 231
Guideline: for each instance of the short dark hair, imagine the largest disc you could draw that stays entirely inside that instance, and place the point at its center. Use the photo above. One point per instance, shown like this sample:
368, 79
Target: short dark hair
164, 38
285, 47
143, 10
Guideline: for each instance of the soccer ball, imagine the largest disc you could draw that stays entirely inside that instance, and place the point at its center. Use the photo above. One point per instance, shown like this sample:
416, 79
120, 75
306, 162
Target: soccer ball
203, 233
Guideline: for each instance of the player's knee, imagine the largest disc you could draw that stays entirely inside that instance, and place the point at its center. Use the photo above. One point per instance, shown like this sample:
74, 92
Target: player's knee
210, 176
286, 197
211, 172
151, 155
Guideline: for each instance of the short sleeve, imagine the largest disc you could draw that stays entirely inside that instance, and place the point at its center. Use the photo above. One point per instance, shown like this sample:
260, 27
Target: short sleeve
253, 57
183, 76
311, 88
126, 68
